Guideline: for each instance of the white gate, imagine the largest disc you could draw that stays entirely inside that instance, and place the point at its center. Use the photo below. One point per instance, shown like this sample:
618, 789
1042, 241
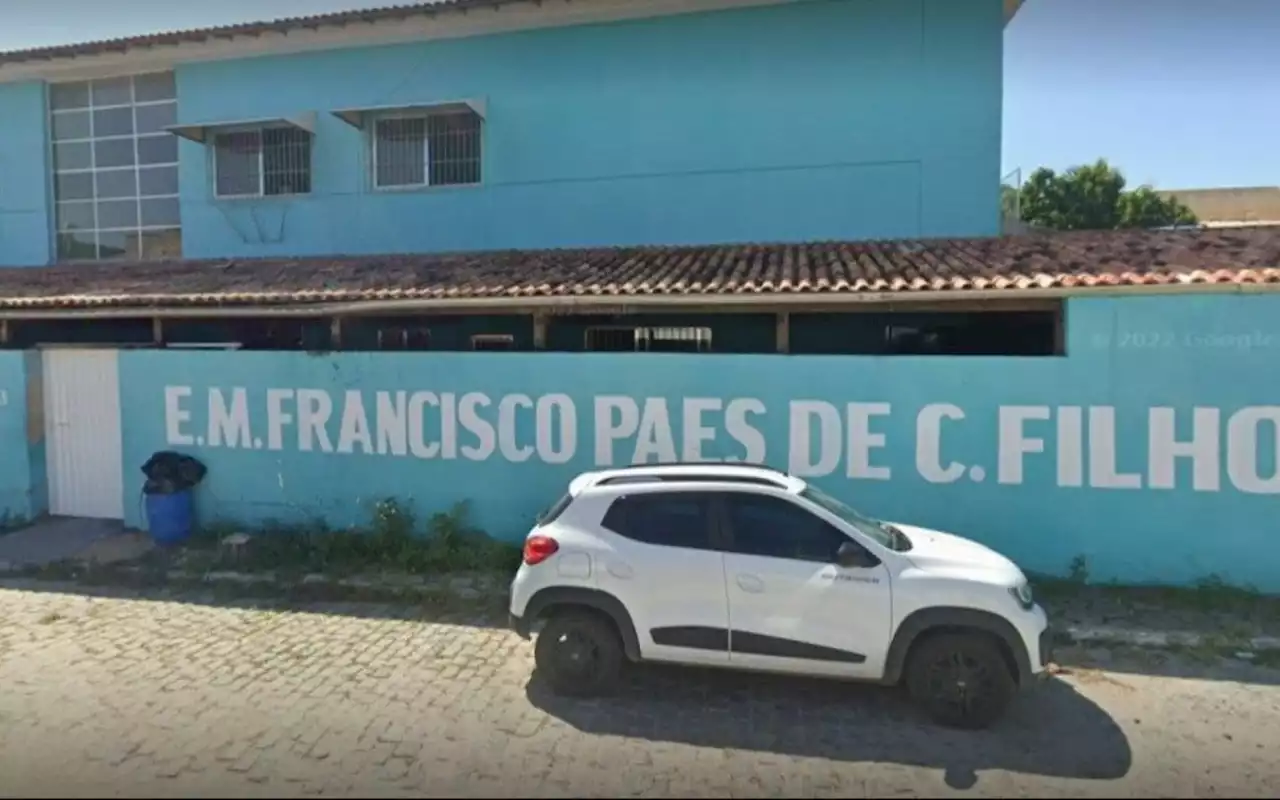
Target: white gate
82, 433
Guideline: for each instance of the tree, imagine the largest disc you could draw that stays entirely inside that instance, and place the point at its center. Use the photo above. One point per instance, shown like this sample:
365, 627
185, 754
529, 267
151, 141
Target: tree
1093, 197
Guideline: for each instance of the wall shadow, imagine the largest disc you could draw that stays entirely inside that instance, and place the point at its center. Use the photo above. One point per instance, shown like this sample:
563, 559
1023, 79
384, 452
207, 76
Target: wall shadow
1052, 731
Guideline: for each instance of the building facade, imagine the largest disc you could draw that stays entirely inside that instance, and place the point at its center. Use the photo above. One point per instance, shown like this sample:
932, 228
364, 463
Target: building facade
515, 125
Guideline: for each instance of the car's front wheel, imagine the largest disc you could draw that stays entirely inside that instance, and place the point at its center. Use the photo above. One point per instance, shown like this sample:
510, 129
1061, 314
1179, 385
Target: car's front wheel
578, 653
960, 679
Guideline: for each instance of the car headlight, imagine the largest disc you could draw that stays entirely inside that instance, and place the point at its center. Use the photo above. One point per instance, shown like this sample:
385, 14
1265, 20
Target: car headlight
1022, 593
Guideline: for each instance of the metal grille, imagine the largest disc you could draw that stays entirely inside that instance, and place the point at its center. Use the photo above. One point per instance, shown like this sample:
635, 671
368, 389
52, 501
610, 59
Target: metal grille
493, 341
426, 150
115, 178
404, 337
264, 162
675, 340
654, 340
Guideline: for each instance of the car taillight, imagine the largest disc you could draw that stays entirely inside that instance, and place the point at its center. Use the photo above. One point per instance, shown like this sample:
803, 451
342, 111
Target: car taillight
539, 548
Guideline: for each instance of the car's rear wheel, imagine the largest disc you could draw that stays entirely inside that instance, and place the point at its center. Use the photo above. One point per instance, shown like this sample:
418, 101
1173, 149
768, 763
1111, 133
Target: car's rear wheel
960, 679
578, 653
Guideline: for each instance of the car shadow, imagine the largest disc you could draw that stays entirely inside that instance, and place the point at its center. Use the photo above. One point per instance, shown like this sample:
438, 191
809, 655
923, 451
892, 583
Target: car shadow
1052, 730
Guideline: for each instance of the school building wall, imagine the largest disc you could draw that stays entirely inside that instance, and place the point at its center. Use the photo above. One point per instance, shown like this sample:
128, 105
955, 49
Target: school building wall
1150, 448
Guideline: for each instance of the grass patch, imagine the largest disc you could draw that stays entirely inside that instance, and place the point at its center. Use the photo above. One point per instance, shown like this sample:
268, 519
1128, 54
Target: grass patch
1210, 594
393, 541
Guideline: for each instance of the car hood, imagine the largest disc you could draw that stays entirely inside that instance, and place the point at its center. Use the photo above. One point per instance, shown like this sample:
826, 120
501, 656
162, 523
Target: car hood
937, 551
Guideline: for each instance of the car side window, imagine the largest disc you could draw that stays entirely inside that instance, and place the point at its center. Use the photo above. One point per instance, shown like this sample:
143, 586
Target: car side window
668, 519
774, 528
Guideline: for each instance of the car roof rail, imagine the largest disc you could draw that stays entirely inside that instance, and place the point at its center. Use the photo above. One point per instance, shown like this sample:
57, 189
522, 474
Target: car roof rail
691, 478
710, 464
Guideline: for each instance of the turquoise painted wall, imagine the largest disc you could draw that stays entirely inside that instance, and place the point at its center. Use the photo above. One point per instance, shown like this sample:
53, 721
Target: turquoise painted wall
38, 495
26, 232
16, 478
822, 119
1151, 449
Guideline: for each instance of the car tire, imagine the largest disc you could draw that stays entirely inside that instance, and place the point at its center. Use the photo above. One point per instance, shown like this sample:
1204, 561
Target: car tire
579, 654
961, 680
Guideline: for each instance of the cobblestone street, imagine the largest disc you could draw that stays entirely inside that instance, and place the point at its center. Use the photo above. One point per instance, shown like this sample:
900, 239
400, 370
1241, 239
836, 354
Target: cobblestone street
185, 696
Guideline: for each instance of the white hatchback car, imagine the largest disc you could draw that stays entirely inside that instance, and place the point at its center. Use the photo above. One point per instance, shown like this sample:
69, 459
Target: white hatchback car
749, 568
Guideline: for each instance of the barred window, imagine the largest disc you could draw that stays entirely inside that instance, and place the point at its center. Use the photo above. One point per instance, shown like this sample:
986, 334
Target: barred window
625, 339
441, 149
262, 162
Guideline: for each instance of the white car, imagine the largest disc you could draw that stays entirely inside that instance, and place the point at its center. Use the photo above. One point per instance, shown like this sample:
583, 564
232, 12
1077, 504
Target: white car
749, 568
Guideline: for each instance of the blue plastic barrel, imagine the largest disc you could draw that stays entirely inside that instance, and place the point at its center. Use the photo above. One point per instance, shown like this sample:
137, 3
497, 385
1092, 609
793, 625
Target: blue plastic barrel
170, 517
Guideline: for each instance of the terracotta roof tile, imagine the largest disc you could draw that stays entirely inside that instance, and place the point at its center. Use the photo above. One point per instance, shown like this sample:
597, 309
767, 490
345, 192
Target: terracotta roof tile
1068, 261
282, 25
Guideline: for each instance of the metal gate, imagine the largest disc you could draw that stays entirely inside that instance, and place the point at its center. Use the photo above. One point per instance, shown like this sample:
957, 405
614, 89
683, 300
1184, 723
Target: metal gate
82, 433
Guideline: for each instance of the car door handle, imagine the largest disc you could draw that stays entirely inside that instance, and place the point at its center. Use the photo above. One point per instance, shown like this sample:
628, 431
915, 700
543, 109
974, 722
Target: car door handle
750, 583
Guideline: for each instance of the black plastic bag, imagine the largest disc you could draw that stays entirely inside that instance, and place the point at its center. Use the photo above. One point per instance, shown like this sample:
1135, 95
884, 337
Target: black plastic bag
169, 472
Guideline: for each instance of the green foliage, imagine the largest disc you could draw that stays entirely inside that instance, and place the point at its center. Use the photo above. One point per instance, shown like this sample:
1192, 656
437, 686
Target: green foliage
1078, 571
1092, 197
393, 541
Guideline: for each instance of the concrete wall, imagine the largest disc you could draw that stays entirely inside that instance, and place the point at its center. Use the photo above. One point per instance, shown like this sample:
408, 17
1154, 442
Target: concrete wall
827, 119
26, 232
1150, 449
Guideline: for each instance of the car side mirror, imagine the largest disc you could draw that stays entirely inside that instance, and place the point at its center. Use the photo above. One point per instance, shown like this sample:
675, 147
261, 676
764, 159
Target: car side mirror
854, 556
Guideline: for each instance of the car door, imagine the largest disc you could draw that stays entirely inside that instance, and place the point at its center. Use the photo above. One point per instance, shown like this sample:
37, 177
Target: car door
664, 563
792, 608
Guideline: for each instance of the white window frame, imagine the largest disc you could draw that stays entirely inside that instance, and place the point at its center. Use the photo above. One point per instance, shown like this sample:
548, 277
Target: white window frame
262, 171
426, 151
94, 170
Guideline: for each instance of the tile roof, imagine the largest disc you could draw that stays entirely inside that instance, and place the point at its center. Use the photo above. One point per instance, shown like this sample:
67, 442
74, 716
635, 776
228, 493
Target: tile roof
282, 25
1069, 262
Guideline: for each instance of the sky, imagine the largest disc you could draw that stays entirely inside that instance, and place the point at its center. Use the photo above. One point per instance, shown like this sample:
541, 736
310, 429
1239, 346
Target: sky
1176, 93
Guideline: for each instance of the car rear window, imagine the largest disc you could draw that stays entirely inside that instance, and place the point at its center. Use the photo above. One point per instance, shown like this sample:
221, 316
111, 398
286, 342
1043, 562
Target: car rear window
676, 519
549, 516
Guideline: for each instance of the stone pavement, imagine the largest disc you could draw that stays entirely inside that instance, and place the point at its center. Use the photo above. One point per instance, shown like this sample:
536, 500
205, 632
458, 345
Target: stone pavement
181, 695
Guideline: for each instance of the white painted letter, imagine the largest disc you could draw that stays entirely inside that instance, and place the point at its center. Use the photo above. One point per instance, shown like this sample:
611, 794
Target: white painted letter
1102, 452
314, 409
862, 440
568, 424
469, 417
175, 415
695, 432
507, 424
1070, 446
798, 462
751, 439
229, 425
418, 443
607, 431
1243, 435
393, 431
355, 425
448, 426
655, 438
1163, 448
1013, 443
277, 417
929, 444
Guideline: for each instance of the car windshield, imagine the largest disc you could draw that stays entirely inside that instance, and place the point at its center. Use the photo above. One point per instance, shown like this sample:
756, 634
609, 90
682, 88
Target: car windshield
868, 526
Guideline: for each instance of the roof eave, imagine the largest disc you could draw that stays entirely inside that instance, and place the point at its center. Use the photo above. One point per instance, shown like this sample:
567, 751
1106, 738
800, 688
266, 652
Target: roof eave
621, 303
333, 32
